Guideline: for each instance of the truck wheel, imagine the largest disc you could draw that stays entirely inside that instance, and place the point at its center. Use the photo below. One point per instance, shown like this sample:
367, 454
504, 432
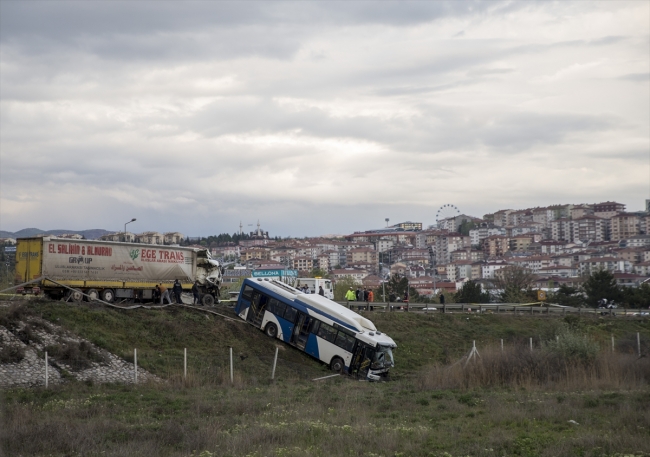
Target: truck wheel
92, 294
337, 365
271, 330
108, 295
75, 295
207, 300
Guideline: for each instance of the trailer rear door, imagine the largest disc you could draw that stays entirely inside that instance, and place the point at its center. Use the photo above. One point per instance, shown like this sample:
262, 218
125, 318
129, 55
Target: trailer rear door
29, 257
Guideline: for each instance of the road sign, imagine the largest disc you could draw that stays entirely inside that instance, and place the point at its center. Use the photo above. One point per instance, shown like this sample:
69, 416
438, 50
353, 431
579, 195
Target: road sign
275, 273
10, 248
541, 295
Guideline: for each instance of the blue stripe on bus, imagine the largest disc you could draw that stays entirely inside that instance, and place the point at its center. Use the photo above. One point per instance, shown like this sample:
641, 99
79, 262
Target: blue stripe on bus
287, 329
311, 347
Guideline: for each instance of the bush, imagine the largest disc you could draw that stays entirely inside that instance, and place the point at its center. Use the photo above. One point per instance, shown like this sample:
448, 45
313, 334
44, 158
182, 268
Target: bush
573, 347
11, 354
77, 355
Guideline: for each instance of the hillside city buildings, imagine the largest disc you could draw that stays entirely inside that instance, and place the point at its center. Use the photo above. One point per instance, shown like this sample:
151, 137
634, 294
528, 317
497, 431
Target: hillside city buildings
560, 244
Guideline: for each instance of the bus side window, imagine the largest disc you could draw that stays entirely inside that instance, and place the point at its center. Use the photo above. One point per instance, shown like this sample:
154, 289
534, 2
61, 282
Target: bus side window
314, 326
248, 292
344, 341
290, 314
273, 306
279, 308
326, 332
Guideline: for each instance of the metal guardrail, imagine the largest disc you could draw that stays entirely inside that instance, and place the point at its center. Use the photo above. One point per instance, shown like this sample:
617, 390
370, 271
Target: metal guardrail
497, 308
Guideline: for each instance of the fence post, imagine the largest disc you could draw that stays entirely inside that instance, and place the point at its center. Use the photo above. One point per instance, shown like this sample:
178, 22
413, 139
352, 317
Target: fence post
638, 342
444, 308
231, 377
531, 309
480, 309
612, 343
501, 344
531, 345
185, 363
275, 361
462, 308
47, 373
135, 366
497, 309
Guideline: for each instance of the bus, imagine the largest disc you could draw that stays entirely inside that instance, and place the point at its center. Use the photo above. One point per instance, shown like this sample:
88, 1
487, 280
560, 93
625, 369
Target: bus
337, 336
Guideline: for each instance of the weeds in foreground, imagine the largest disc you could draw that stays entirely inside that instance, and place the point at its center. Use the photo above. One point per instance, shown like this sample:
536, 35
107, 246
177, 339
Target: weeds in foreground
543, 369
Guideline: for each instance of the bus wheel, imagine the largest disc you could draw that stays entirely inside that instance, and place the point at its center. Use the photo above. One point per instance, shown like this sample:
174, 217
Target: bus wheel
337, 365
108, 295
92, 294
271, 330
207, 300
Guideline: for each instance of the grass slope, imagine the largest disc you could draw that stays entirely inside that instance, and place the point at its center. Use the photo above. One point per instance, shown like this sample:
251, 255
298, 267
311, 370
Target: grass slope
297, 417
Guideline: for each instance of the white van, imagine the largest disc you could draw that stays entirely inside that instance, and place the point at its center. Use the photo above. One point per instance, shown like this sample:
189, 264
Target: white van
314, 283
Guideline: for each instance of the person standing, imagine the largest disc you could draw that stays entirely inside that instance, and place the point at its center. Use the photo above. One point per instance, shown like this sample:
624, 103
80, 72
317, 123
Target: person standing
371, 298
164, 294
350, 295
321, 292
442, 298
195, 293
177, 289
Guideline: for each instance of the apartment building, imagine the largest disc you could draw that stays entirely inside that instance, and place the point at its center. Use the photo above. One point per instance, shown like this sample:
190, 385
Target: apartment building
560, 229
496, 245
302, 263
589, 228
607, 210
612, 264
478, 235
625, 225
446, 244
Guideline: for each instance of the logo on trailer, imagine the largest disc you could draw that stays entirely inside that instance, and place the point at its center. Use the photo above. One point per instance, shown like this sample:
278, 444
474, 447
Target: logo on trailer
134, 253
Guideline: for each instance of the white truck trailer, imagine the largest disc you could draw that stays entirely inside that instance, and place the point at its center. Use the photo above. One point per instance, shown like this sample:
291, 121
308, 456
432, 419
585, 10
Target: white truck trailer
112, 270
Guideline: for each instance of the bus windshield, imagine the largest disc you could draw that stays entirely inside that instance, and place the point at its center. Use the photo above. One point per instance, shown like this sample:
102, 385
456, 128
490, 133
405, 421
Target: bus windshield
383, 358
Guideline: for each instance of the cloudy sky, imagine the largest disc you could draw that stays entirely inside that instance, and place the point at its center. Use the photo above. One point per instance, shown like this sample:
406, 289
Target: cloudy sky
316, 117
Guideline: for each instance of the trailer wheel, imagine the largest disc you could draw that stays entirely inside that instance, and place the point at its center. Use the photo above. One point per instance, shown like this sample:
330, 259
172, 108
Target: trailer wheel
75, 295
207, 300
271, 330
92, 294
108, 295
337, 365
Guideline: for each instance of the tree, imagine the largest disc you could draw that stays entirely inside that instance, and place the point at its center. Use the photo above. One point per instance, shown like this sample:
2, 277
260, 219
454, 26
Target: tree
471, 292
397, 286
637, 297
601, 284
568, 296
342, 286
515, 284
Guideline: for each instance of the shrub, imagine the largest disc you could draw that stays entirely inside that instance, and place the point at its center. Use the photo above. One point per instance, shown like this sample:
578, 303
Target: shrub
11, 354
572, 347
77, 355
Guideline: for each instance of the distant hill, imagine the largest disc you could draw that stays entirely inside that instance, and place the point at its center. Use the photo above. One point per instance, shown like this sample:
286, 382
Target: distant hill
91, 234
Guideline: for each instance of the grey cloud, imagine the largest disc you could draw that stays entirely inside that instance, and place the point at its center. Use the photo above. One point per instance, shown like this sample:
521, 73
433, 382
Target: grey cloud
636, 77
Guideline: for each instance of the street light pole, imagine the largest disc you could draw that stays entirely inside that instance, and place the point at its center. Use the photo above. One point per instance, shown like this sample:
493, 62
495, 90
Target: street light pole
132, 220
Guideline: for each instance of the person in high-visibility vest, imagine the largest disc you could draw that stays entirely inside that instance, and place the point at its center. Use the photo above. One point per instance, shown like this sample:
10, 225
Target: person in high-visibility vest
350, 295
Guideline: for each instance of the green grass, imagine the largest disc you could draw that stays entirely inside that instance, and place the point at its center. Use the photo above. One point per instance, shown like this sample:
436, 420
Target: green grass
337, 417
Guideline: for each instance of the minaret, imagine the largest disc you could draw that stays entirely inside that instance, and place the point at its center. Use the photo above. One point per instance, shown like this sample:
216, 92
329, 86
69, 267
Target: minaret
258, 228
240, 227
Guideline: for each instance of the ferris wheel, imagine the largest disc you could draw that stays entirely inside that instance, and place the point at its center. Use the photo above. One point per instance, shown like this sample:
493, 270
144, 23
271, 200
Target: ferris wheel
446, 212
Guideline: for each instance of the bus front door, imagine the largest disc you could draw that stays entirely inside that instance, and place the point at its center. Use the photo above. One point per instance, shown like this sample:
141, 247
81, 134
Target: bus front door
301, 330
361, 360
